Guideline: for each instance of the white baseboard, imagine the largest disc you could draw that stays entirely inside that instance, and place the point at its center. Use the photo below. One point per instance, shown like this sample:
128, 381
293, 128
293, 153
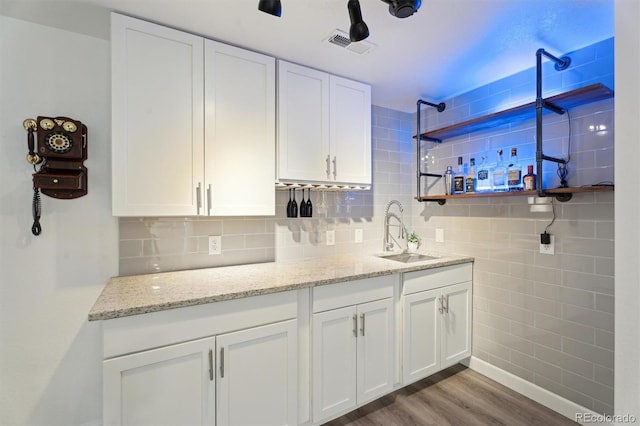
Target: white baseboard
542, 396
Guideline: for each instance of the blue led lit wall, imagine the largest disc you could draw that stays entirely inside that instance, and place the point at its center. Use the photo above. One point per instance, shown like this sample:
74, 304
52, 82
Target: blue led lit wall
591, 128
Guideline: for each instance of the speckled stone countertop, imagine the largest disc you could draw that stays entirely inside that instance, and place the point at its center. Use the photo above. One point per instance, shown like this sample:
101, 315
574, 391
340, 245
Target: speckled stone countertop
140, 294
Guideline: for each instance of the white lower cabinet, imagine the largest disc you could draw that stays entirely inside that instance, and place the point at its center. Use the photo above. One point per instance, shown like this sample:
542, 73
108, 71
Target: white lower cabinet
165, 386
257, 376
296, 357
244, 377
353, 346
436, 320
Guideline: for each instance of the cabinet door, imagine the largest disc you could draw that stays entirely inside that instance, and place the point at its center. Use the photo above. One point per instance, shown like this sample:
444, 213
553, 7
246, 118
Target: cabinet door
157, 119
456, 324
240, 134
350, 124
303, 123
334, 362
376, 344
257, 376
421, 335
166, 386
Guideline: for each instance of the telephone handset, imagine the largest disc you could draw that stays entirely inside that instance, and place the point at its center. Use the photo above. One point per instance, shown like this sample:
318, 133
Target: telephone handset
57, 159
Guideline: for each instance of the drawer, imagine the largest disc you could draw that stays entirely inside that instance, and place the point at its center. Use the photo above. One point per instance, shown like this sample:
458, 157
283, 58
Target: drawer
59, 180
350, 293
429, 279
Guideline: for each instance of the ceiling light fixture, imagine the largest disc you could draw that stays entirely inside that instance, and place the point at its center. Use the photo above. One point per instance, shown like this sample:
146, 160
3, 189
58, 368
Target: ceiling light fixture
403, 8
272, 7
359, 30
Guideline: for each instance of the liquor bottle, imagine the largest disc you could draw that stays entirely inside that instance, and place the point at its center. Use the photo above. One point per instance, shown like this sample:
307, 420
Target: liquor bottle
470, 180
529, 180
458, 179
483, 177
500, 175
514, 172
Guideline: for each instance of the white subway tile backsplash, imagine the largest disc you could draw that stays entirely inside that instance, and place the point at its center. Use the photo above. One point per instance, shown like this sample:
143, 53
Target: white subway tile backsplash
588, 282
537, 336
564, 328
566, 362
571, 394
590, 387
604, 339
588, 317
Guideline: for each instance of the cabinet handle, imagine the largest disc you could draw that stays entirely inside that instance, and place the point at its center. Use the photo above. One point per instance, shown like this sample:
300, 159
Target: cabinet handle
362, 324
355, 325
222, 363
209, 200
199, 197
328, 167
441, 303
446, 305
335, 168
211, 364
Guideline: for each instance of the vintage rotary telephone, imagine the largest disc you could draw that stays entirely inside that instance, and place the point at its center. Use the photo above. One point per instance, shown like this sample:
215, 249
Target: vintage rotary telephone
57, 160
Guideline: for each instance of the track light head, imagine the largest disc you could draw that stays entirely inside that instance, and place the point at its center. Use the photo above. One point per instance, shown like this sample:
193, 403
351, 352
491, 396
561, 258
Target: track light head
272, 7
359, 30
403, 8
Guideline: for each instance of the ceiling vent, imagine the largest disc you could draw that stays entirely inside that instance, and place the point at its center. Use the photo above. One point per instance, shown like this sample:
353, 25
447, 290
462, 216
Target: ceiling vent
341, 39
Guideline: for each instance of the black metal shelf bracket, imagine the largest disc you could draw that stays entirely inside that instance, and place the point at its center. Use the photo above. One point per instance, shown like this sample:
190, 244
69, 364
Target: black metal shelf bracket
419, 172
560, 65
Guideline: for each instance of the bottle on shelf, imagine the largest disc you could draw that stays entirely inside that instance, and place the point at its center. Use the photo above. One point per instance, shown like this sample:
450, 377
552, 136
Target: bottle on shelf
500, 174
529, 180
514, 172
470, 180
458, 179
483, 177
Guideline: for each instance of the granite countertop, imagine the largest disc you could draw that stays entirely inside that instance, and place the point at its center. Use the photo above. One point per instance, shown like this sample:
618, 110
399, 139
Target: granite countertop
140, 294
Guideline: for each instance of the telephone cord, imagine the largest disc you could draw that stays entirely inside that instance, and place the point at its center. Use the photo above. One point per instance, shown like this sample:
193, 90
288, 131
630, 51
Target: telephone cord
36, 229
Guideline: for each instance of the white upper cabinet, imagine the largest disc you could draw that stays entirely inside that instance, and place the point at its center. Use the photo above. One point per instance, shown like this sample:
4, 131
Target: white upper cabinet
303, 123
157, 119
193, 124
350, 131
240, 133
324, 127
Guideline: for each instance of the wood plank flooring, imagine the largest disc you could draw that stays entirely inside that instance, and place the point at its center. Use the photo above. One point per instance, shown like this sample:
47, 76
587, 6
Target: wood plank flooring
456, 396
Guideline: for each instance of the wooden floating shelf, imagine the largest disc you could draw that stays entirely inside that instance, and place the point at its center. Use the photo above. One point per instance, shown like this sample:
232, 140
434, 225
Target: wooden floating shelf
567, 100
554, 191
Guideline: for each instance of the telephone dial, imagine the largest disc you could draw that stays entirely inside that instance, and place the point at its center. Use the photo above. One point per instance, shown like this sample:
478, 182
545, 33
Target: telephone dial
57, 159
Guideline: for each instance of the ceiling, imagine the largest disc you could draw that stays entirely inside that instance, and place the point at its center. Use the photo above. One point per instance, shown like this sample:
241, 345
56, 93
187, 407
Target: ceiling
448, 47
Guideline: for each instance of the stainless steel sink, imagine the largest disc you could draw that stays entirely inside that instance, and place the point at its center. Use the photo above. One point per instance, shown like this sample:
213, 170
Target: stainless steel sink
408, 258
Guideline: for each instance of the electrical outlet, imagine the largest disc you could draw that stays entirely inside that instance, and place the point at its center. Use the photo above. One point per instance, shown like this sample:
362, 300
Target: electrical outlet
331, 238
215, 244
439, 235
358, 235
548, 248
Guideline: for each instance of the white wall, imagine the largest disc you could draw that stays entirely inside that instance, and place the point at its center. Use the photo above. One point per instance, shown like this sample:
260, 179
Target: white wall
627, 215
50, 355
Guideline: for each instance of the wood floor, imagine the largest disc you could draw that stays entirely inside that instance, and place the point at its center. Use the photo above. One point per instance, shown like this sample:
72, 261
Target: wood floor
456, 396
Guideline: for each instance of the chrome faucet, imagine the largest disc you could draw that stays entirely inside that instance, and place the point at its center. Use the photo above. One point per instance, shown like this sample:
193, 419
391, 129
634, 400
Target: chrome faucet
388, 239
